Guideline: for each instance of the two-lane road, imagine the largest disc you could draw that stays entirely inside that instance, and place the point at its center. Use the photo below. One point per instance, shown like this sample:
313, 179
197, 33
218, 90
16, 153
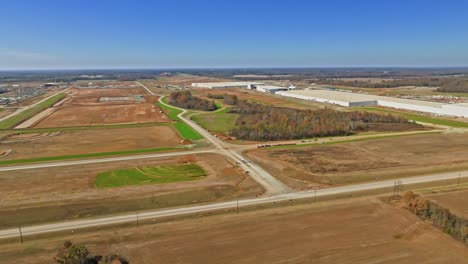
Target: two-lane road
150, 215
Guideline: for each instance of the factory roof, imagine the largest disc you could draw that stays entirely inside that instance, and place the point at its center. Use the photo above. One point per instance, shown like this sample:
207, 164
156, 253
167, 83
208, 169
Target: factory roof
225, 84
355, 97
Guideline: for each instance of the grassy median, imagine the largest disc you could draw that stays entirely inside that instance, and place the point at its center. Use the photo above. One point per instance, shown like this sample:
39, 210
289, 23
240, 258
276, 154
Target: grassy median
26, 114
184, 130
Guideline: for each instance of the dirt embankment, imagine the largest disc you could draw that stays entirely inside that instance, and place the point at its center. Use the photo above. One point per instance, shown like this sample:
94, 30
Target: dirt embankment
88, 141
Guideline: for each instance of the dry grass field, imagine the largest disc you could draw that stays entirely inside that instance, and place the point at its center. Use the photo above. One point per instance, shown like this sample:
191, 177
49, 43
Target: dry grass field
58, 193
47, 144
361, 161
84, 109
344, 232
456, 202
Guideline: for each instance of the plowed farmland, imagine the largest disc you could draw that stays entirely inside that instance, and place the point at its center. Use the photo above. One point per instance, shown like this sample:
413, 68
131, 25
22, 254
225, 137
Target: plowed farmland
24, 146
367, 160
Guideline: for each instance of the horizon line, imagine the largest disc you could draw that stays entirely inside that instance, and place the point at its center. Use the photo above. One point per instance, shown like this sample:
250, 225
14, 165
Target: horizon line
234, 68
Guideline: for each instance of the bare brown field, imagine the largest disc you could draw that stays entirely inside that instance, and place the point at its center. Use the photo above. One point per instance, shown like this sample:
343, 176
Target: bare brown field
84, 109
456, 202
166, 84
88, 141
58, 193
260, 98
355, 231
360, 161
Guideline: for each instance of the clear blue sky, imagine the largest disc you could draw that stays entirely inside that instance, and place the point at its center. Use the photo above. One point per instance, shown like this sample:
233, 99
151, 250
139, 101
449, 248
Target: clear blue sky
44, 34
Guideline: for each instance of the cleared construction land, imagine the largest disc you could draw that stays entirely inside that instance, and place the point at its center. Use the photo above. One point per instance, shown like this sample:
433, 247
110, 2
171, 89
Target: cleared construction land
368, 160
356, 231
58, 193
85, 108
49, 144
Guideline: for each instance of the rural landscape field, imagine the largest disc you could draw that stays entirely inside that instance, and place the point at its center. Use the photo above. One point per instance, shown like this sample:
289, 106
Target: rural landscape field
147, 132
113, 148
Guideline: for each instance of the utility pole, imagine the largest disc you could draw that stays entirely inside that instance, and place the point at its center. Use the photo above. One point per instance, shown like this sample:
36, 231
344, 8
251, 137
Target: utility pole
398, 185
315, 194
137, 214
21, 233
459, 176
237, 207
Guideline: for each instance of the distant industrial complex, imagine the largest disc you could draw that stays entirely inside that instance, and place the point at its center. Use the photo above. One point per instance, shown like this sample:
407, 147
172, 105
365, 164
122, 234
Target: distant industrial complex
347, 99
261, 87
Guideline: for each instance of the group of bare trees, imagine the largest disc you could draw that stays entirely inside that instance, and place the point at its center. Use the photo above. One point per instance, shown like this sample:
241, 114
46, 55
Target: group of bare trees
79, 254
184, 99
264, 122
459, 85
452, 224
229, 99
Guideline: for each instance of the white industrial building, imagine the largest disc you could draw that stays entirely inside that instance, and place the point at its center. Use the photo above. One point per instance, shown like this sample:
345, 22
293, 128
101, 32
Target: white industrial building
224, 85
349, 99
267, 88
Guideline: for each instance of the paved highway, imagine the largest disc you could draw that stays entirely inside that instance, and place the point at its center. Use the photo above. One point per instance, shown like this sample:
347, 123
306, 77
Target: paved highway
149, 215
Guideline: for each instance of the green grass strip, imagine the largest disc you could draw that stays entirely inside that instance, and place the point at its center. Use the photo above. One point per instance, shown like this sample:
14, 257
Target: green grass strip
184, 130
417, 118
220, 122
149, 175
26, 114
171, 112
87, 155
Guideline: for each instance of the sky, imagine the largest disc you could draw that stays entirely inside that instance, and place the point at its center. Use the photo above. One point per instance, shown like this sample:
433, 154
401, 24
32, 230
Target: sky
90, 34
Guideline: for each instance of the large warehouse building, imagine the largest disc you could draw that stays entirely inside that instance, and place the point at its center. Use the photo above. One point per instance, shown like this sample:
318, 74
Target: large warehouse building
352, 99
225, 85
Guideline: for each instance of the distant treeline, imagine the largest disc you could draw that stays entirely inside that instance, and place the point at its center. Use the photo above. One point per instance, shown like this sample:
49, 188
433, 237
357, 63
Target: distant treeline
263, 122
184, 99
445, 84
459, 85
430, 82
